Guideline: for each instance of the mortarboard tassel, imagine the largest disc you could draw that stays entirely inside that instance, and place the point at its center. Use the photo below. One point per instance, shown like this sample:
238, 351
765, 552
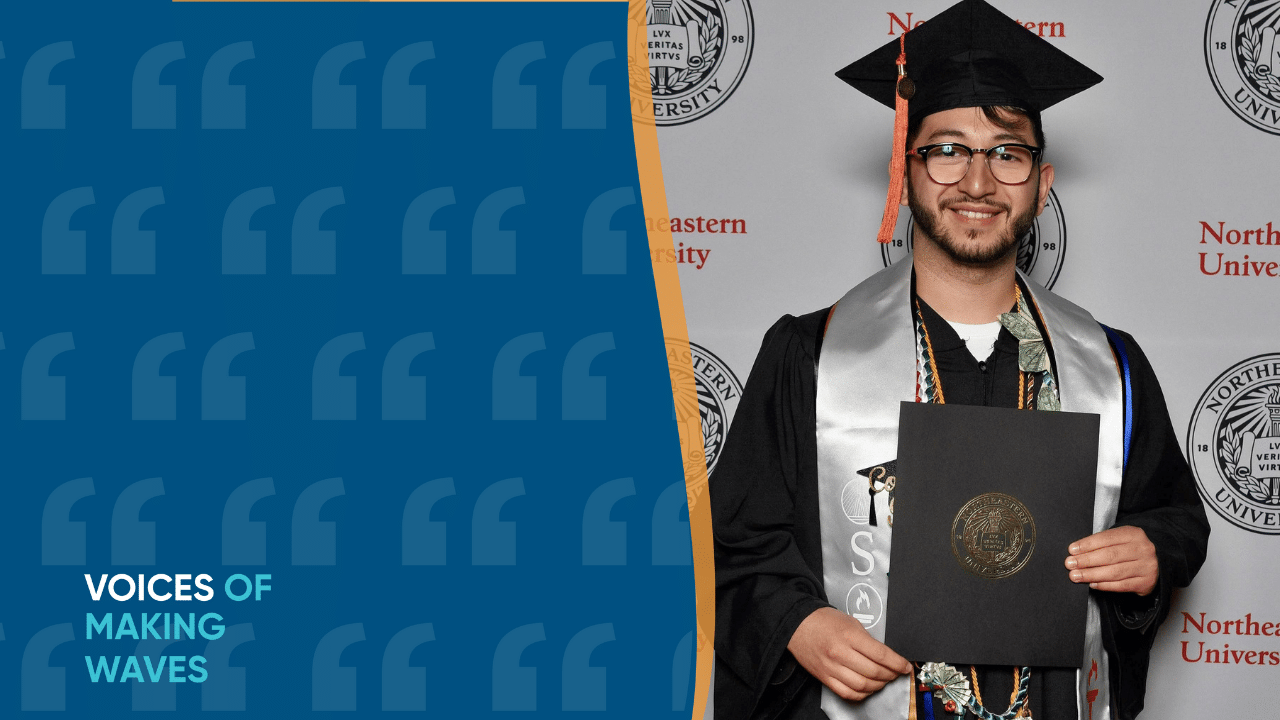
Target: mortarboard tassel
871, 514
898, 161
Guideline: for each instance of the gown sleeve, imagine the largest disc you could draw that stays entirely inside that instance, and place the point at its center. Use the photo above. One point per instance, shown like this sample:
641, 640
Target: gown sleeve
765, 524
1158, 495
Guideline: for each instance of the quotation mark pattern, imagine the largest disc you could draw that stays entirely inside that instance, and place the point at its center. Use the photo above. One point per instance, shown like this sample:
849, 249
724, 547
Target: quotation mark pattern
357, 298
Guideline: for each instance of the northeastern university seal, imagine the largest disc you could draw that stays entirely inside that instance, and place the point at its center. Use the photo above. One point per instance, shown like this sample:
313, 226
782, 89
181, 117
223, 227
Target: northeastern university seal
1243, 57
1234, 444
698, 53
993, 536
718, 392
1040, 251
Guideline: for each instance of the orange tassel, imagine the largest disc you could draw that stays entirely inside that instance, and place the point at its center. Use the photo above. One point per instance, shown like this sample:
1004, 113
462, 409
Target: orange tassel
898, 161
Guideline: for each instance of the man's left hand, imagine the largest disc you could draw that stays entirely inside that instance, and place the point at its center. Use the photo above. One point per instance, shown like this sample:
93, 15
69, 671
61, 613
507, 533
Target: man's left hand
1121, 559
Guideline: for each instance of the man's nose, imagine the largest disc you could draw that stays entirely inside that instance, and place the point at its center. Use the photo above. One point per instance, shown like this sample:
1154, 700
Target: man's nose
978, 181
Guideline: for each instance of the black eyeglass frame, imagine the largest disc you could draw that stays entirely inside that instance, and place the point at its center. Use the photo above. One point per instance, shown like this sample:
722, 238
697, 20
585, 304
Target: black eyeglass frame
923, 152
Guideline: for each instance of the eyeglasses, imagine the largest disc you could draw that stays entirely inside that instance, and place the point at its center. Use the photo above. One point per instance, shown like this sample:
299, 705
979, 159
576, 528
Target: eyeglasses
948, 163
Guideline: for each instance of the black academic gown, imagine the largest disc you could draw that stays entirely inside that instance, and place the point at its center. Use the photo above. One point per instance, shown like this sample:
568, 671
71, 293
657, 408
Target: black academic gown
768, 543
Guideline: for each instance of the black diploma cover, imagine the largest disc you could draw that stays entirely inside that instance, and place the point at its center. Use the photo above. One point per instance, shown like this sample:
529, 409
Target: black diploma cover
986, 504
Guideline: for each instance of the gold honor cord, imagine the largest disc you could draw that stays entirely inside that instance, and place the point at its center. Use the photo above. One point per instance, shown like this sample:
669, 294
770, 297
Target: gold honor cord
932, 385
1013, 696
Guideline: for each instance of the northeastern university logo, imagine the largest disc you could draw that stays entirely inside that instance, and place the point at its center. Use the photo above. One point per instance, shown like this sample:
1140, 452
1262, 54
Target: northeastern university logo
698, 53
1243, 56
718, 395
993, 536
1234, 444
1040, 251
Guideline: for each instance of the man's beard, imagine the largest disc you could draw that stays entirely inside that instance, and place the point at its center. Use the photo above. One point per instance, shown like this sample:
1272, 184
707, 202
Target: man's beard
929, 223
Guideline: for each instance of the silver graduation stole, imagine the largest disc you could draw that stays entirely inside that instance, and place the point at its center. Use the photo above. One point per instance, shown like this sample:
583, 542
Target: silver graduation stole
866, 368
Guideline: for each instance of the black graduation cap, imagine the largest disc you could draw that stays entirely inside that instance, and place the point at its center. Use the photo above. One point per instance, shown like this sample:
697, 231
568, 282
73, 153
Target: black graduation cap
970, 55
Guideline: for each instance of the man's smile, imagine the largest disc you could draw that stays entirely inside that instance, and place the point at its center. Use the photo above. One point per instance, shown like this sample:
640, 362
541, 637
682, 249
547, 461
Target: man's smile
975, 215
971, 213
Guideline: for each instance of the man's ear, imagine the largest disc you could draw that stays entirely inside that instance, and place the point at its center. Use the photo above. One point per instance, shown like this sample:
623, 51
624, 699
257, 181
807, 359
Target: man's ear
905, 181
1046, 182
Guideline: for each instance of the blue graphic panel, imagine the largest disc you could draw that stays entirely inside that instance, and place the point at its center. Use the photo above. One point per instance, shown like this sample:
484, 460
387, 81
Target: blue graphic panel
331, 370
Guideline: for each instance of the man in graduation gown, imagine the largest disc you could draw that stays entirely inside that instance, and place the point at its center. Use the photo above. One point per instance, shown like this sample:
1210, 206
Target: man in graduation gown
822, 397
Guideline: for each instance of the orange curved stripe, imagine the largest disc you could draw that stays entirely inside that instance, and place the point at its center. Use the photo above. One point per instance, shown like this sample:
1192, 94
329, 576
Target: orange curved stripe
674, 328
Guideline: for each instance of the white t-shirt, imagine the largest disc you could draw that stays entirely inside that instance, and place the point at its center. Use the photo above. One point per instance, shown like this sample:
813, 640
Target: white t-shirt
980, 339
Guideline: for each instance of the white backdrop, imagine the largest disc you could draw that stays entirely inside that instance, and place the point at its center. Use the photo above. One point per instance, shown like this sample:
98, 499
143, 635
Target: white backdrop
1142, 161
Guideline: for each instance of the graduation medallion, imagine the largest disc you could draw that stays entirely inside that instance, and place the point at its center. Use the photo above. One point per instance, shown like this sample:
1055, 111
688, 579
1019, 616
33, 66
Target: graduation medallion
993, 536
906, 88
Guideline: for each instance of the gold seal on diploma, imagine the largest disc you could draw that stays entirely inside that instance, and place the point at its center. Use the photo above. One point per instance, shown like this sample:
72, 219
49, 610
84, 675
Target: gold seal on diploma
993, 536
